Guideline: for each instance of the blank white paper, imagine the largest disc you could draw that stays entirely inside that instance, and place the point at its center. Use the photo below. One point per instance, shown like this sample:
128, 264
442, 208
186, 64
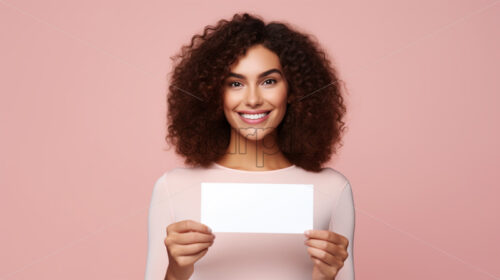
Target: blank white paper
257, 207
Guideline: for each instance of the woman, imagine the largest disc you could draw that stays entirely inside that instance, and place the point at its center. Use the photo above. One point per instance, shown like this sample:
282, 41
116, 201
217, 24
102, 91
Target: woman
260, 103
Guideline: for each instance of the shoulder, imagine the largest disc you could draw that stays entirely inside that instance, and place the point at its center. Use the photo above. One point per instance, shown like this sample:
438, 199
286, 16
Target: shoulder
328, 181
335, 176
341, 186
177, 175
181, 173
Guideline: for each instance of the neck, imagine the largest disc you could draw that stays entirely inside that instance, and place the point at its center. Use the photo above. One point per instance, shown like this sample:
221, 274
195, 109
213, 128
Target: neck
247, 154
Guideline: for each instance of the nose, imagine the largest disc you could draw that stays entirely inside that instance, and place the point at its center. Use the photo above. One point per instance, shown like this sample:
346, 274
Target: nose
253, 97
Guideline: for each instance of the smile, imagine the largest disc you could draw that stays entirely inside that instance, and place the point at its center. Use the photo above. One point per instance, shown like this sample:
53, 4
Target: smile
254, 118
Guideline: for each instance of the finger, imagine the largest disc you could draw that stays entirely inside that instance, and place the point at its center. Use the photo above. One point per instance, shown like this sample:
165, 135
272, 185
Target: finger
329, 236
190, 237
188, 225
200, 254
189, 249
325, 269
337, 251
188, 260
322, 255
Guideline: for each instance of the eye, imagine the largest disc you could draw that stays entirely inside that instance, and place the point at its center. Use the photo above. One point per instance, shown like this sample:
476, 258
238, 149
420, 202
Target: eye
231, 83
274, 81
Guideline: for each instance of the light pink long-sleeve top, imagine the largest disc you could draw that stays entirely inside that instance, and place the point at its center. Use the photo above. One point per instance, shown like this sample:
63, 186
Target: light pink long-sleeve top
177, 196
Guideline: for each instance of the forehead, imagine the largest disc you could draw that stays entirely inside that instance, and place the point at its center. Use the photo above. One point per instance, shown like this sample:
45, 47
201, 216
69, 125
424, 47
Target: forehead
257, 59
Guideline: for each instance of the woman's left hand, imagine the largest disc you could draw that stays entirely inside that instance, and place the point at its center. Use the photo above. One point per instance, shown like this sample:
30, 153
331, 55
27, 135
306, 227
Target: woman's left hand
328, 251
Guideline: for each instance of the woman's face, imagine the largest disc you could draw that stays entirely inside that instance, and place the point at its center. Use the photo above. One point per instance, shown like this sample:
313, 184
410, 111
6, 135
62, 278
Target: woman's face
255, 93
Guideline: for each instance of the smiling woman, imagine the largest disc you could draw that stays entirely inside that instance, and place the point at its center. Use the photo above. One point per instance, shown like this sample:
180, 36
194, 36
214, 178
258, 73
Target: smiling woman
252, 103
256, 116
227, 64
257, 103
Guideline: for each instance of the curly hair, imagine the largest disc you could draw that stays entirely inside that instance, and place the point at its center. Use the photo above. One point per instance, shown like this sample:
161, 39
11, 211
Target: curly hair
312, 126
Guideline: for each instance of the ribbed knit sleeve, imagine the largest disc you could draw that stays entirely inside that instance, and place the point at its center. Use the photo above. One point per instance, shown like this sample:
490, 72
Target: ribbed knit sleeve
159, 217
342, 222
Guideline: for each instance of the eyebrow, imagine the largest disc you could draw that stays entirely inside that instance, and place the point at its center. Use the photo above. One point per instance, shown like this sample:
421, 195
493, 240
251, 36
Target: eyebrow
263, 74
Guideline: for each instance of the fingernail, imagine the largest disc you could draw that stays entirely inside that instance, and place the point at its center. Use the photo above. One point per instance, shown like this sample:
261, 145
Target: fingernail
209, 229
307, 232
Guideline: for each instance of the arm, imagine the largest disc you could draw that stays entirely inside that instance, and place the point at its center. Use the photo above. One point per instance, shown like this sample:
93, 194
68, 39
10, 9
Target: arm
342, 222
159, 217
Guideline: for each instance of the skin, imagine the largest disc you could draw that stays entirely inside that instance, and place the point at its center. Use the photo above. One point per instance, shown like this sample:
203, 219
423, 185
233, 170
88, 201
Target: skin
328, 251
188, 241
256, 142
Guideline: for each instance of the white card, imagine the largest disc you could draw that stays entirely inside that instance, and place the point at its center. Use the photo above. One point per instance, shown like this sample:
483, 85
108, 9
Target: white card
257, 207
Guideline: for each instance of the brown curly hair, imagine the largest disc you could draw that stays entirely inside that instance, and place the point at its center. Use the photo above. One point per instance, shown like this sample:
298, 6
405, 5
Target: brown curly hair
312, 125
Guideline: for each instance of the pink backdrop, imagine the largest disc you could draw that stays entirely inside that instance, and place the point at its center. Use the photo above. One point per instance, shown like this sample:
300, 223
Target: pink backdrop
82, 112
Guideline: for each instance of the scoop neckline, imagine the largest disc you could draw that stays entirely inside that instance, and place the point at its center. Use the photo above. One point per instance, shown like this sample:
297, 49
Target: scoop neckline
254, 171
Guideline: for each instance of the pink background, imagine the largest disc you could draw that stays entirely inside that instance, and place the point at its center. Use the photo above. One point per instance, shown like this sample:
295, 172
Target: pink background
82, 121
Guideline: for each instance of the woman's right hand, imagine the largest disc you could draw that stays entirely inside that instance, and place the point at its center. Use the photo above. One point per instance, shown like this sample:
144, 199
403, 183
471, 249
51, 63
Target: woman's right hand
187, 241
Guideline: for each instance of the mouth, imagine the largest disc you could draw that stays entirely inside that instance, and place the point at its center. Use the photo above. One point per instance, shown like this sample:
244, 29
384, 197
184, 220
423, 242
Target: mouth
253, 116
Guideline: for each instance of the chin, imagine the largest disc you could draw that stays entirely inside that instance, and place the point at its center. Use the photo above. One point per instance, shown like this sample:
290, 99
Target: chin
255, 133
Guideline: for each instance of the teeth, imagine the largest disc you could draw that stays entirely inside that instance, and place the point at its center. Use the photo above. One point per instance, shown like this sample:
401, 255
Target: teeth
254, 116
